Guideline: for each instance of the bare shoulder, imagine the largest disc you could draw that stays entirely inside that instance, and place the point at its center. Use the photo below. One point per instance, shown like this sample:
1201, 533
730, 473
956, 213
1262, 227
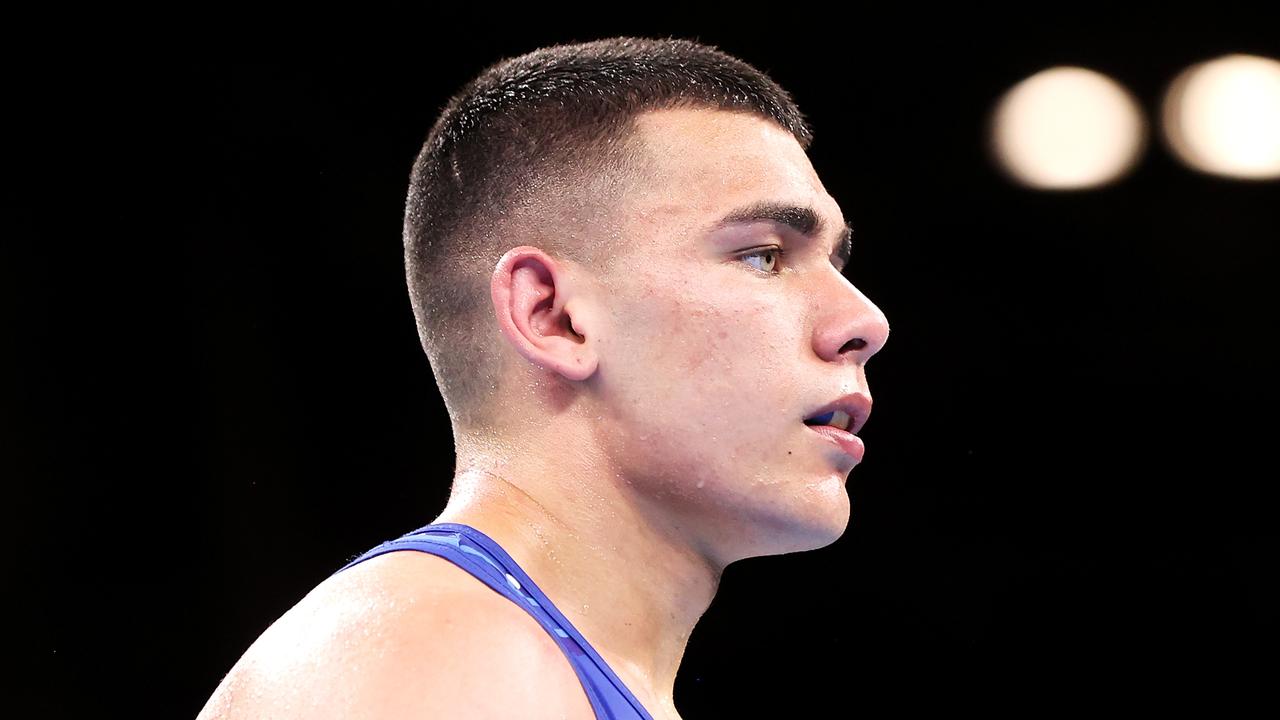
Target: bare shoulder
402, 635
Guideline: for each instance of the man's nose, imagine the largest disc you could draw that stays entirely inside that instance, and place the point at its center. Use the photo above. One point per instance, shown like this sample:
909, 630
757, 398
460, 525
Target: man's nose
851, 327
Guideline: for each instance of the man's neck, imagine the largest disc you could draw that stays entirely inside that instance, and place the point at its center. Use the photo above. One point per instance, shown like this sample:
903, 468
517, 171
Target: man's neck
627, 578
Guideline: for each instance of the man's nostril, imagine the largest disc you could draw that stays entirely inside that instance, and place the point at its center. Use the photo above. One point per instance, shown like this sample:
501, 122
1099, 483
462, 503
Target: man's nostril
854, 344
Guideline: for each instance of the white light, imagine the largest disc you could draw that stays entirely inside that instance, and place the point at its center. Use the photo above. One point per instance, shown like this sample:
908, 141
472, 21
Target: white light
1067, 128
1223, 116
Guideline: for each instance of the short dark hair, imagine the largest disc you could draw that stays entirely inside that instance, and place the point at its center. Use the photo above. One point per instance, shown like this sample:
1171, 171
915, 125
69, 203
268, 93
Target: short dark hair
548, 133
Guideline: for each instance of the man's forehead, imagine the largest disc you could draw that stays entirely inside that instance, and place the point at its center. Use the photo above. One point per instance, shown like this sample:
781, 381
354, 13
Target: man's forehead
711, 165
702, 140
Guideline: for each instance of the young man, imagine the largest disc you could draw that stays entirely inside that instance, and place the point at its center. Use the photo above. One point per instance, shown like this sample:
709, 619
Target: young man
627, 277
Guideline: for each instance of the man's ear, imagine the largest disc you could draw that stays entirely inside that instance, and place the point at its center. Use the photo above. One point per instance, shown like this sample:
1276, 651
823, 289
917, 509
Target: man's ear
532, 299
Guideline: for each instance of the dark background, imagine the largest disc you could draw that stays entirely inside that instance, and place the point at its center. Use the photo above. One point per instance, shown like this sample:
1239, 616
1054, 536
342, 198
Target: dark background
218, 396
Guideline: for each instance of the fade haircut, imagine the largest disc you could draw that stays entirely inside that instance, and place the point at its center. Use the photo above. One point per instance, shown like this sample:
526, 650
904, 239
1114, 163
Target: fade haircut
537, 150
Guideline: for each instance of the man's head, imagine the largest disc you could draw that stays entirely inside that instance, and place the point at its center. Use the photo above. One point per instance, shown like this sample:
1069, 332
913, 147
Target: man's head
538, 150
668, 300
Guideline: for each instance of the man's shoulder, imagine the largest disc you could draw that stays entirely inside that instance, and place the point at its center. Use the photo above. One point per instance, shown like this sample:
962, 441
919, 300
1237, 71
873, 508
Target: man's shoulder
404, 633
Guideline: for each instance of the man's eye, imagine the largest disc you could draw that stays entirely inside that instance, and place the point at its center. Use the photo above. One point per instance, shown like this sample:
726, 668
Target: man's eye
766, 265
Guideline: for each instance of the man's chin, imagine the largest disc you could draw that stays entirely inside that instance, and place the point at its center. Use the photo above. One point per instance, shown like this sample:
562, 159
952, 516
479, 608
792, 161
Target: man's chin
816, 524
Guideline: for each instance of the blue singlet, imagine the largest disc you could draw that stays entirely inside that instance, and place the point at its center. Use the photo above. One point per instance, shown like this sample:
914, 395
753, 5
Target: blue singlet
480, 555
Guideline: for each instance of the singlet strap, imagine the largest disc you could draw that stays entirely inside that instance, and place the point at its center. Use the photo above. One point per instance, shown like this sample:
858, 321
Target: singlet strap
481, 556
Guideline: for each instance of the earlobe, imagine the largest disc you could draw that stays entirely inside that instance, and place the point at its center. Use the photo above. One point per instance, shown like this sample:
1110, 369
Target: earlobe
532, 295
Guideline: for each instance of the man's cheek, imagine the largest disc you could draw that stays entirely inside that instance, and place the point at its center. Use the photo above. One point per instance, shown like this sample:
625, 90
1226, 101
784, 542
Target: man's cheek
693, 361
710, 342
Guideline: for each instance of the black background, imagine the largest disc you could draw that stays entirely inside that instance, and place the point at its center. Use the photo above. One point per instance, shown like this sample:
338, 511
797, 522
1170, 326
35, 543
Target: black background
218, 395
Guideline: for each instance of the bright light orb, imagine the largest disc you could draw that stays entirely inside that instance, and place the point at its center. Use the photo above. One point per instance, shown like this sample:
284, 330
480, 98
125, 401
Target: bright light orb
1223, 117
1067, 128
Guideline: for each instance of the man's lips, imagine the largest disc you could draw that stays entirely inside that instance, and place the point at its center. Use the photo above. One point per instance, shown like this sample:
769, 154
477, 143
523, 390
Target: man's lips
847, 441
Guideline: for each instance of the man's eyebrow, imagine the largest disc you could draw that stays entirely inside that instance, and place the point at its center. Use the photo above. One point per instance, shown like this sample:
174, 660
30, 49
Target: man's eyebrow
803, 220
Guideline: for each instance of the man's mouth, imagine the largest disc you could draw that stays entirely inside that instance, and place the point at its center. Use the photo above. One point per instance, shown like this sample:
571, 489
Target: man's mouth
848, 413
836, 418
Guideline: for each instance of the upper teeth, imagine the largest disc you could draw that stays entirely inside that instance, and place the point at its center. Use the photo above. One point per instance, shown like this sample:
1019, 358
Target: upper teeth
837, 418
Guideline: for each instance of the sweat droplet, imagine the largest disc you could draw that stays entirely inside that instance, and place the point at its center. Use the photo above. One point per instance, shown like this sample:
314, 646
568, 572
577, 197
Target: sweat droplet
701, 483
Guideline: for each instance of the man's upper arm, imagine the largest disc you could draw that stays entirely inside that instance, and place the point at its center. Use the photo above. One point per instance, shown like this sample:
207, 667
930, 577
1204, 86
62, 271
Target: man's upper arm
433, 652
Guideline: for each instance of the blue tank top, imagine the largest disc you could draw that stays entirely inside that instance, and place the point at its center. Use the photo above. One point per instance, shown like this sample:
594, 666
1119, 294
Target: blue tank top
480, 555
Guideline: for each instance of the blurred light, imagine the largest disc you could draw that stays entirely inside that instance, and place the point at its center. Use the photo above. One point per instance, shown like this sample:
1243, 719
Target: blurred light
1223, 116
1067, 128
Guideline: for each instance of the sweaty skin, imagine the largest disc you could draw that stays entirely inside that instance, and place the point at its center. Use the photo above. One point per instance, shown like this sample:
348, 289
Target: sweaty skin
653, 431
